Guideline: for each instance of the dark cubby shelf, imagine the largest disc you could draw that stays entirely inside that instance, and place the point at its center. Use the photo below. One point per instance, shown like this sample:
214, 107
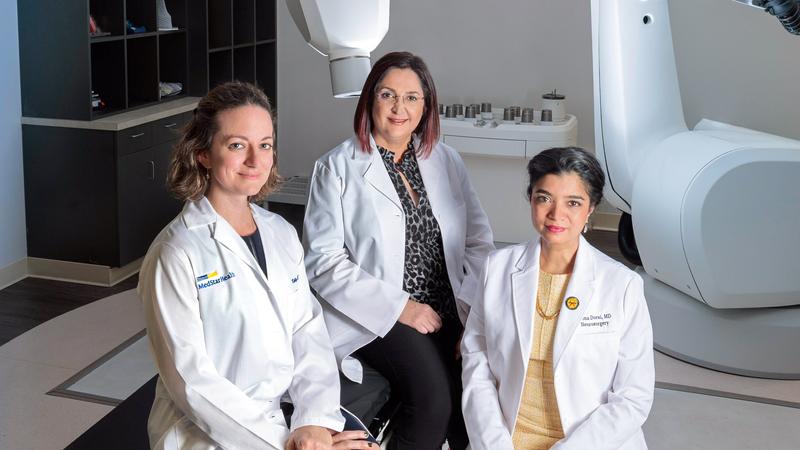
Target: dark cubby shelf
96, 114
168, 32
241, 44
109, 16
141, 35
141, 13
142, 71
108, 76
219, 49
98, 39
172, 60
219, 23
220, 68
215, 41
174, 97
266, 73
265, 20
244, 64
244, 31
177, 11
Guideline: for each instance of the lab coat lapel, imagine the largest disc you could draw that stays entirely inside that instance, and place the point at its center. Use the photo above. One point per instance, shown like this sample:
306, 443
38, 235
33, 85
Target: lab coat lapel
276, 252
277, 255
434, 177
225, 235
524, 284
581, 286
375, 174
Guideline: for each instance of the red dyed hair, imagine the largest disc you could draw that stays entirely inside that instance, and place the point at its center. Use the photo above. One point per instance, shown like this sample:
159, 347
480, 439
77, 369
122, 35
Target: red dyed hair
428, 128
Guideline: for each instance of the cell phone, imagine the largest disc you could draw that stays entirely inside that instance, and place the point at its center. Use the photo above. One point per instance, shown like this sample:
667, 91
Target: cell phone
353, 423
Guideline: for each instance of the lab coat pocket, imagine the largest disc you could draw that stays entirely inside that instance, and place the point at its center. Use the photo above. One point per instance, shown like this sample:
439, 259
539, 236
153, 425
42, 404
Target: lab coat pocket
597, 353
286, 294
294, 282
286, 283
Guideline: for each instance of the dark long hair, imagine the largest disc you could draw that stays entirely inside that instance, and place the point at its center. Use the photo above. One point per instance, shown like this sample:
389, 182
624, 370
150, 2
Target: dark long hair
563, 160
428, 128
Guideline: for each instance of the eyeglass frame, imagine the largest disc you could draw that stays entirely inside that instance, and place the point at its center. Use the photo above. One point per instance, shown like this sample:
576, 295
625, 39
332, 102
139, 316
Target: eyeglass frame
394, 98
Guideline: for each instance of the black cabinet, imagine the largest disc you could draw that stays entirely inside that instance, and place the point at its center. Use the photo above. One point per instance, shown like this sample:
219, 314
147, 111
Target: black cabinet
98, 197
144, 206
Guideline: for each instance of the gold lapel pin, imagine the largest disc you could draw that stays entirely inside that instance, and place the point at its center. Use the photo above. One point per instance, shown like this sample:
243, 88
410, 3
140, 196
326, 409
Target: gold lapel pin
572, 303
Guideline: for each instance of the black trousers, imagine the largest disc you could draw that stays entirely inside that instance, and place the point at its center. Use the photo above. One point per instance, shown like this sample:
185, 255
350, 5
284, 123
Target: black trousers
425, 375
363, 399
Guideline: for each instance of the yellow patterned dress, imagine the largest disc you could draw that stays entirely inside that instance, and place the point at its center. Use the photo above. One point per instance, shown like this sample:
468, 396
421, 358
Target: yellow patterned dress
538, 422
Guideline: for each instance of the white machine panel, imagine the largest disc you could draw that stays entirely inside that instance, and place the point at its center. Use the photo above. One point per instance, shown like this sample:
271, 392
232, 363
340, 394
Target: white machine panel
708, 204
658, 202
486, 147
752, 195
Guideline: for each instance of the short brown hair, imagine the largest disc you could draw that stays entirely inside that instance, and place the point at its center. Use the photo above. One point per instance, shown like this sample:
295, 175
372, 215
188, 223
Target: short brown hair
428, 128
187, 178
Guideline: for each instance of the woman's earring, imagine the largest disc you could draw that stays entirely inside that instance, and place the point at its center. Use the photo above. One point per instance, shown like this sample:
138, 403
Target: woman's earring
586, 227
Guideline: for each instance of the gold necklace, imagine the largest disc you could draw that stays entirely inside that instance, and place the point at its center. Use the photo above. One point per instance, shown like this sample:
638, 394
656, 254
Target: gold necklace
541, 312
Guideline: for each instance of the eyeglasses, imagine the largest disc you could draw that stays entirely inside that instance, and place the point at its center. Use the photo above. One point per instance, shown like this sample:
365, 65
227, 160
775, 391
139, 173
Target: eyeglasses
387, 97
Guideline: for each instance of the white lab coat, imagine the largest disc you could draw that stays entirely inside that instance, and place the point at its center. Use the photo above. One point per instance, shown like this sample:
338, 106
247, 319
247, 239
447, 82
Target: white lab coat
604, 374
228, 347
354, 235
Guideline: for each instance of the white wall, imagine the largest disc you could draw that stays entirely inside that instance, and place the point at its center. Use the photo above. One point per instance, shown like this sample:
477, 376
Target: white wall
738, 65
507, 52
12, 195
735, 63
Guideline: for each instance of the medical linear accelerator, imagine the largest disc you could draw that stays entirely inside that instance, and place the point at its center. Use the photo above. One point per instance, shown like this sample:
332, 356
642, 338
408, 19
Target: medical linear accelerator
722, 292
714, 210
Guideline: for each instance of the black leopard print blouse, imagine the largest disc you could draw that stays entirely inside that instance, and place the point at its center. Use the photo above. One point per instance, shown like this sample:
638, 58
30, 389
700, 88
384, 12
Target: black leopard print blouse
425, 277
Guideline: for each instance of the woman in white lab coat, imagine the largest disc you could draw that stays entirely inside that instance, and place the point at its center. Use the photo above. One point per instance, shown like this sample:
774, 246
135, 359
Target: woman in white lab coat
232, 324
394, 233
558, 349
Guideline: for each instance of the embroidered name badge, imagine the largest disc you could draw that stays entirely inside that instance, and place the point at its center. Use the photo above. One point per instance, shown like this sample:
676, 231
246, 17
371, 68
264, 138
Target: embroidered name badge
212, 278
596, 320
572, 303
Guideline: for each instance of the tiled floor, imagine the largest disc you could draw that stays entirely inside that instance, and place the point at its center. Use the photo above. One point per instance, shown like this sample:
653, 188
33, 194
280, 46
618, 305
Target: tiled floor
681, 420
41, 359
29, 419
111, 380
46, 356
673, 371
33, 301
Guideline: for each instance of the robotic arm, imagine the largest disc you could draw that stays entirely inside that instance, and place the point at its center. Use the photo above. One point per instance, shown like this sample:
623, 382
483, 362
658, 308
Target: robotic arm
346, 32
787, 11
718, 247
